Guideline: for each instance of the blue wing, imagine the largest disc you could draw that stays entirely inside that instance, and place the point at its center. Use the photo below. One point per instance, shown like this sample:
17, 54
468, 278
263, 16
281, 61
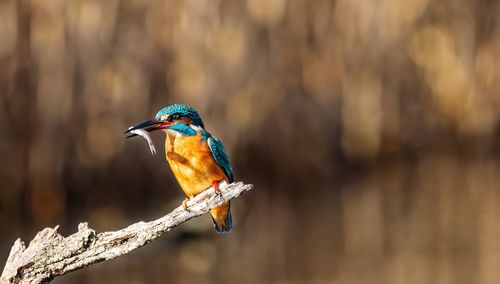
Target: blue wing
220, 156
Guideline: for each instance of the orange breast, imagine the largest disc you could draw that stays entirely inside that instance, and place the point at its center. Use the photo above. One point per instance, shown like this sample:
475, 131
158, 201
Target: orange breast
192, 163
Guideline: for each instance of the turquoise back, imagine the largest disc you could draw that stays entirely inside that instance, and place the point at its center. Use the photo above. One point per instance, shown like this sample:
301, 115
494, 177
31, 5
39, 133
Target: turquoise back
220, 156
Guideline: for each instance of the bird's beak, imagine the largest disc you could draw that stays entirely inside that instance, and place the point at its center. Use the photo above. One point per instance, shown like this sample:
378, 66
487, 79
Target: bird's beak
150, 125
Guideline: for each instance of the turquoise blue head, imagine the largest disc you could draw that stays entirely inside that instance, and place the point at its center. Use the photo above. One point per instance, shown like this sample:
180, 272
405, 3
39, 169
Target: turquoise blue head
169, 117
180, 112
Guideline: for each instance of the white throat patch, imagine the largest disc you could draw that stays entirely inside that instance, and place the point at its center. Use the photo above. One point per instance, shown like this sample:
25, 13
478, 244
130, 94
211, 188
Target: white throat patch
195, 127
174, 133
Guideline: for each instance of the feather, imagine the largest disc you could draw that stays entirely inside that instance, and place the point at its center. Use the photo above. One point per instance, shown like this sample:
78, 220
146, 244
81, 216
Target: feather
220, 156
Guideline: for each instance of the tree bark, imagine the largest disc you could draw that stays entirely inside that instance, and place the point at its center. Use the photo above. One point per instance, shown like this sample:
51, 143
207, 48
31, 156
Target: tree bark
50, 255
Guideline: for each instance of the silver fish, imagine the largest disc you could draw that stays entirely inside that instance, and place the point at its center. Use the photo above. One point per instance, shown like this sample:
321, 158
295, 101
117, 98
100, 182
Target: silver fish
145, 135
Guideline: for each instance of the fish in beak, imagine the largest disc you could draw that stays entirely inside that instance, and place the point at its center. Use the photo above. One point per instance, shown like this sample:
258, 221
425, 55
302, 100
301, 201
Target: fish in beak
143, 130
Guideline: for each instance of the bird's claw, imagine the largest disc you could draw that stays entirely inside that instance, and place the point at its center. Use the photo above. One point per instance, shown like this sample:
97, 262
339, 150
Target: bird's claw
184, 204
216, 188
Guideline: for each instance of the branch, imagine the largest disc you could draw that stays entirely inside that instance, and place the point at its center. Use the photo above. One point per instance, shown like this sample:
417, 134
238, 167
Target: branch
50, 255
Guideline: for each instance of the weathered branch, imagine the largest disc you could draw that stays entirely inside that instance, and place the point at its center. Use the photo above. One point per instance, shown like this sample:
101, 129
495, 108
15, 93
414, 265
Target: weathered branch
50, 255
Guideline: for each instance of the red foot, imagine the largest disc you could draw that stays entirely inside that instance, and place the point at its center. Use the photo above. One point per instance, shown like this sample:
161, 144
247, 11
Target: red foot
184, 204
216, 187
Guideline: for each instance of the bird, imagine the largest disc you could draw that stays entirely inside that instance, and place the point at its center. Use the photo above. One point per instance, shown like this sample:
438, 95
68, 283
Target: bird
197, 158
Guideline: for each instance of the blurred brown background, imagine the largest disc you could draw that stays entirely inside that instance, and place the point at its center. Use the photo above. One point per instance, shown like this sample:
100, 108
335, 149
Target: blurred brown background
369, 129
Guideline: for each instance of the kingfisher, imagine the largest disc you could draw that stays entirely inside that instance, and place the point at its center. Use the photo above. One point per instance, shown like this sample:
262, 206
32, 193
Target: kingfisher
197, 158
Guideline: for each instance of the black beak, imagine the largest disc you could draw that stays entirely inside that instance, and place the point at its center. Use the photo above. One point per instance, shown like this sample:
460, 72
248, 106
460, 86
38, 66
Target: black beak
150, 125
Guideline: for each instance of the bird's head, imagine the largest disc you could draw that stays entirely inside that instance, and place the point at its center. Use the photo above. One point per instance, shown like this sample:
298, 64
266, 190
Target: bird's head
169, 116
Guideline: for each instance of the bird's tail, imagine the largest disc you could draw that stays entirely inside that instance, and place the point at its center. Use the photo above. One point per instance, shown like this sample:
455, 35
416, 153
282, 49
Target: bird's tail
223, 222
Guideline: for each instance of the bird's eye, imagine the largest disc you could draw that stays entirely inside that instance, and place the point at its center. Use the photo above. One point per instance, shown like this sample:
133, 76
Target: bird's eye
173, 117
